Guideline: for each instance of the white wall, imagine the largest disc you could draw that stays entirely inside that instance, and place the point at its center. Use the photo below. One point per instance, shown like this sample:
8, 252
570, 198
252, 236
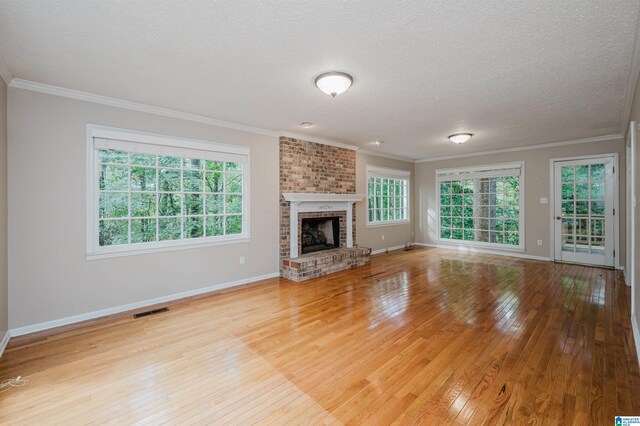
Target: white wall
394, 235
4, 287
537, 185
49, 277
635, 116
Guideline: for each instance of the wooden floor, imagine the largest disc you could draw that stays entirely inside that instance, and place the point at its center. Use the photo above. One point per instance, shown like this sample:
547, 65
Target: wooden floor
418, 337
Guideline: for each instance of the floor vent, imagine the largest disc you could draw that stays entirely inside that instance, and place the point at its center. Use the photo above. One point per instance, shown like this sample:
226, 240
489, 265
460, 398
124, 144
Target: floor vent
151, 312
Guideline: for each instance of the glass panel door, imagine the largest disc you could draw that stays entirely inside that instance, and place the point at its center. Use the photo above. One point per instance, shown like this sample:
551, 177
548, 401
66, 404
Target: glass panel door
584, 211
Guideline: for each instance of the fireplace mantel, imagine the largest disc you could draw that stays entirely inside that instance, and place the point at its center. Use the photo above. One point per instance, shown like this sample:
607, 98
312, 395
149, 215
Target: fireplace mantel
314, 202
299, 197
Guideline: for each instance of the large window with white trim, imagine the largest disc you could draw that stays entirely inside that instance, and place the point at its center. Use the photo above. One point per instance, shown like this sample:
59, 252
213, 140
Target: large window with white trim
482, 205
388, 196
148, 192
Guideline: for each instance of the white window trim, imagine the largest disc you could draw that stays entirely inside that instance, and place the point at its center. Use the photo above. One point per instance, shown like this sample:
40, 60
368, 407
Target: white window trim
478, 171
92, 193
616, 201
377, 171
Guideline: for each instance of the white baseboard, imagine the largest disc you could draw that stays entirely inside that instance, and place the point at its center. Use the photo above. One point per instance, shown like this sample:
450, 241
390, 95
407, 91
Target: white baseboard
635, 326
4, 342
384, 250
627, 278
467, 249
136, 305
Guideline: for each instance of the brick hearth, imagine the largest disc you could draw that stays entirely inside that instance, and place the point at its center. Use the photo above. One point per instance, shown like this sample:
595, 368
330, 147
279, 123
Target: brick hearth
325, 262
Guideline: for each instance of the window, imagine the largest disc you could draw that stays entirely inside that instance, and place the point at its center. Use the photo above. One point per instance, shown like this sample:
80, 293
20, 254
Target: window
482, 205
149, 192
388, 194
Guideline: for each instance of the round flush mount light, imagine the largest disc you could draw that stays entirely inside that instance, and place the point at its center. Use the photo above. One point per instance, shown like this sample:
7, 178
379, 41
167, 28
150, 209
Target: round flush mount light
460, 137
333, 83
306, 124
377, 142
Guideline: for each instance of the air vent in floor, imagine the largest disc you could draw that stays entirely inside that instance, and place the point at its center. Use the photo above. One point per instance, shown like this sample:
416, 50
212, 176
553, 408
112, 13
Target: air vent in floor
151, 312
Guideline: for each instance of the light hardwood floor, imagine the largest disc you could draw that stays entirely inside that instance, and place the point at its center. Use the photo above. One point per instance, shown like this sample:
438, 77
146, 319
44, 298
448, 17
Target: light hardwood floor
425, 336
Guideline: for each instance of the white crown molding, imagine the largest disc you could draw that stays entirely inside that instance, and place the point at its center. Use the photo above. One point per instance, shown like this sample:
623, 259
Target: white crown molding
384, 155
634, 72
525, 148
134, 106
318, 140
4, 71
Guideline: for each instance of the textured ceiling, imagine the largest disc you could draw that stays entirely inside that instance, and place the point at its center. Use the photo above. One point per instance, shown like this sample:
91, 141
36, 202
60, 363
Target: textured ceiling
514, 73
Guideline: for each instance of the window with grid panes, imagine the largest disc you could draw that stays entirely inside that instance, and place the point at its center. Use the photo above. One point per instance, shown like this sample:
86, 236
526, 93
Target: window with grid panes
583, 208
150, 196
388, 196
481, 205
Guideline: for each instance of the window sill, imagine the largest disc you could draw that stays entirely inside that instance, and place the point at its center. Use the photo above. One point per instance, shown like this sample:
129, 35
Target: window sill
194, 245
387, 223
492, 246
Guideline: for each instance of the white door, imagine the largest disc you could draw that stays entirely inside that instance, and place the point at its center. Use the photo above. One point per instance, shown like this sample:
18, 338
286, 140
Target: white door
629, 271
584, 215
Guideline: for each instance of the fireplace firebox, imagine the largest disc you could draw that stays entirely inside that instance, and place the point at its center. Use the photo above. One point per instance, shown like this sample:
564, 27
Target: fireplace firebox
322, 233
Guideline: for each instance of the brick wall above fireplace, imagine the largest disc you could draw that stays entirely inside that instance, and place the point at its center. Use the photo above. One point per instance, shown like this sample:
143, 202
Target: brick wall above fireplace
325, 175
308, 167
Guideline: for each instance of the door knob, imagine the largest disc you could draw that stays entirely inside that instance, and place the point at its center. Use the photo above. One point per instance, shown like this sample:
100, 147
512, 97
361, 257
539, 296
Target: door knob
558, 217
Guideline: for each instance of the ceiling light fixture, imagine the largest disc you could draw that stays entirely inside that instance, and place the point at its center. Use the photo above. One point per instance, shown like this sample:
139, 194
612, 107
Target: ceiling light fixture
333, 83
306, 124
377, 142
460, 137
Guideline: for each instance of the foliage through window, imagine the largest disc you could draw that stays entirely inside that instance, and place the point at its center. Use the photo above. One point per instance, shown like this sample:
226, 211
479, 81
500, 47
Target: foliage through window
388, 195
583, 204
481, 206
147, 200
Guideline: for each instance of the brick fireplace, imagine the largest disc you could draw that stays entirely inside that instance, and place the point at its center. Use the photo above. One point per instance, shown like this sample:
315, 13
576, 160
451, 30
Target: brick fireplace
317, 182
319, 233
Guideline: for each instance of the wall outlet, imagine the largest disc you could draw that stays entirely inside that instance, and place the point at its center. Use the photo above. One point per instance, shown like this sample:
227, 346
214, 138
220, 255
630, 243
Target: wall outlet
544, 200
383, 236
242, 260
539, 242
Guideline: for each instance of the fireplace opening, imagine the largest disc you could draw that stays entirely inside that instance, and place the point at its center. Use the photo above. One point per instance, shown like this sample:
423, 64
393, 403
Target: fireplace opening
322, 233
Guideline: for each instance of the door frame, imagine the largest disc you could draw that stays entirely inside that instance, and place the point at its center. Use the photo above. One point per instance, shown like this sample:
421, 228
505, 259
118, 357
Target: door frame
630, 266
629, 272
616, 202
